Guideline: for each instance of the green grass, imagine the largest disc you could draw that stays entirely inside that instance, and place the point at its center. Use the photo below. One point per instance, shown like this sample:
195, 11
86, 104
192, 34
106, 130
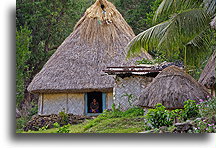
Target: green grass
100, 125
130, 121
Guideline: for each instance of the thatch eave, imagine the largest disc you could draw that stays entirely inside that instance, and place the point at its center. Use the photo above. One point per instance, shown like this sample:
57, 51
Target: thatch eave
47, 91
207, 77
171, 88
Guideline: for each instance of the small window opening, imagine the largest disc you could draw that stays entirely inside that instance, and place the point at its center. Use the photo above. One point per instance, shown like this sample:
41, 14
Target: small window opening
94, 102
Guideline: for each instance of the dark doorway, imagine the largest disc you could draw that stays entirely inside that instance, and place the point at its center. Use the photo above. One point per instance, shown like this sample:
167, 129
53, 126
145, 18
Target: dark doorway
98, 97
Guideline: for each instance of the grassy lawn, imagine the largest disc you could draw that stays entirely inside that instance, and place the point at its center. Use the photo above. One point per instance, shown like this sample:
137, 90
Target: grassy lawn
103, 125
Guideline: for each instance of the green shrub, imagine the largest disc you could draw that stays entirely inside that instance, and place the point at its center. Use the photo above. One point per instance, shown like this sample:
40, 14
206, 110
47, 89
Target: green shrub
33, 111
64, 118
44, 128
56, 125
204, 126
191, 110
159, 117
64, 129
21, 122
207, 108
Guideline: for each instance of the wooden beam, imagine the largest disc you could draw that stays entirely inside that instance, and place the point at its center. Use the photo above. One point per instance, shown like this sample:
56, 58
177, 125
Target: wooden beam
127, 70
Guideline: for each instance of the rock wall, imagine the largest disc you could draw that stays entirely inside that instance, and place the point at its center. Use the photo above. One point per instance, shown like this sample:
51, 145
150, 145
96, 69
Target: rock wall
39, 121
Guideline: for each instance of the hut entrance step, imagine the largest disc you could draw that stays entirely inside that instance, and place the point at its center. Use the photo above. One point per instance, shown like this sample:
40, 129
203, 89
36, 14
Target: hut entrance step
95, 103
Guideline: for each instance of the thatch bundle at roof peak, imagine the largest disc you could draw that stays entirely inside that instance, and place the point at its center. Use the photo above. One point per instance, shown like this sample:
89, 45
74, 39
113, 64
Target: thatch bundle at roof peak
171, 88
98, 41
103, 22
207, 77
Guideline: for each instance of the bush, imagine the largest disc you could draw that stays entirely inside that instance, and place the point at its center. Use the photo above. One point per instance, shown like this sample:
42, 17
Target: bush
159, 117
44, 128
56, 125
64, 129
191, 110
21, 122
33, 111
64, 118
207, 108
204, 126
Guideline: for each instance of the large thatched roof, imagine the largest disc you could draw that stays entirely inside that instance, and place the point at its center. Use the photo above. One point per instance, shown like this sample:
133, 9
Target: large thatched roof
98, 41
171, 88
207, 77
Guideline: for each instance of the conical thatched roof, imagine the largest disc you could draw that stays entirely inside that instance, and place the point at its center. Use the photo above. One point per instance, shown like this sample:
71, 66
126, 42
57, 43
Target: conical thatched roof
207, 77
171, 88
98, 41
213, 23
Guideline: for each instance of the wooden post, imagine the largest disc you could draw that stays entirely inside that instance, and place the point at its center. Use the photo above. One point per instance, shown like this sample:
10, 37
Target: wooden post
42, 103
104, 101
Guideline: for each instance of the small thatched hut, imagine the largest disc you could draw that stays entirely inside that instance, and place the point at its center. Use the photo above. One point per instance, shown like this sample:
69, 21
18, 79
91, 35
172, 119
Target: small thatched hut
72, 78
207, 77
171, 88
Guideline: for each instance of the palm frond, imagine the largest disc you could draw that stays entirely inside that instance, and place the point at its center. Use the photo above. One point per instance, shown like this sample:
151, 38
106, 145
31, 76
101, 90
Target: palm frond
173, 34
146, 40
169, 7
183, 28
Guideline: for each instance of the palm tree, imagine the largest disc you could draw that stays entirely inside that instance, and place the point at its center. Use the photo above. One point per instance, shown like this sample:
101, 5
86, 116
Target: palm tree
188, 29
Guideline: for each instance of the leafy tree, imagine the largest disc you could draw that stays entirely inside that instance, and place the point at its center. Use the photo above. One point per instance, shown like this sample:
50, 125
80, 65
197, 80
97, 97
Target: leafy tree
50, 23
150, 15
23, 40
187, 32
135, 13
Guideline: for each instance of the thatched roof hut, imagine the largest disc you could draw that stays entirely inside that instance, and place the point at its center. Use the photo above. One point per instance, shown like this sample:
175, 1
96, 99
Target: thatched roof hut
171, 88
98, 41
73, 77
207, 77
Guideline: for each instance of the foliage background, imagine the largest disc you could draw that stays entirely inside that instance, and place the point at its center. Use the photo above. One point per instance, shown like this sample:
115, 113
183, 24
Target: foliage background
41, 26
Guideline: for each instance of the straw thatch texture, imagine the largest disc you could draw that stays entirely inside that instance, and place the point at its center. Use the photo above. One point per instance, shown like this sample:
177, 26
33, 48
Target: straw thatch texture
213, 23
207, 77
171, 88
98, 41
